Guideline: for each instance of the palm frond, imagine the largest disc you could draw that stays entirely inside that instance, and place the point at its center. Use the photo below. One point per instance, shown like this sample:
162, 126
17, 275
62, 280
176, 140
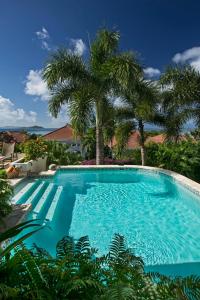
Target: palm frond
125, 113
64, 65
61, 95
103, 47
81, 109
122, 133
123, 69
184, 81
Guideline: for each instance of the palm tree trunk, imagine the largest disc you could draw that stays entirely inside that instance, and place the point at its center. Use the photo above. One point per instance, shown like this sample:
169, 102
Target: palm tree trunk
142, 140
99, 136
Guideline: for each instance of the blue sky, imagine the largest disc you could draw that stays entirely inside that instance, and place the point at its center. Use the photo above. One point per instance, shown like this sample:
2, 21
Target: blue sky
162, 31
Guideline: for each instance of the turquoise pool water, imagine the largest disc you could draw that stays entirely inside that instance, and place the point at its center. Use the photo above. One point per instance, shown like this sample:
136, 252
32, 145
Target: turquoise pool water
159, 218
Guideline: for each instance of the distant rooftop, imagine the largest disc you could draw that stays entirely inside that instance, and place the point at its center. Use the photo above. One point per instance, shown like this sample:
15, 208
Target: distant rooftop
64, 134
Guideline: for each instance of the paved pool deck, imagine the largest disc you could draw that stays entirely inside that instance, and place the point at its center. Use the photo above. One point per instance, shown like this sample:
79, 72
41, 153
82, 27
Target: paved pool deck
15, 217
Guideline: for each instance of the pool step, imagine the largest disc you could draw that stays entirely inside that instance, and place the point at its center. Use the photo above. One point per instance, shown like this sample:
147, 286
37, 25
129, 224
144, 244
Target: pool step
52, 208
27, 190
38, 208
36, 193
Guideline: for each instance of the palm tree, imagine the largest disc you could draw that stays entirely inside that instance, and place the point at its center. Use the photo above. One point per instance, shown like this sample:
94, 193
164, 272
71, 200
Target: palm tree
180, 99
87, 86
140, 105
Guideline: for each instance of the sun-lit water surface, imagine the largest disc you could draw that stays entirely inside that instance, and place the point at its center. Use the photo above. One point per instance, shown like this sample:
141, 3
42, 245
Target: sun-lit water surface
160, 219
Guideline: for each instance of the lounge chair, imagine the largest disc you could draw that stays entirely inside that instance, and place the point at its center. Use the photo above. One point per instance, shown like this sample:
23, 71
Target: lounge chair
7, 152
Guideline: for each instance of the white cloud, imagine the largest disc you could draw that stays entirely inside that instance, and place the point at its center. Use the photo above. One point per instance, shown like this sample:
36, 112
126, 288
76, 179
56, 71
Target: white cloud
191, 56
45, 46
151, 72
61, 120
11, 116
35, 85
78, 46
43, 36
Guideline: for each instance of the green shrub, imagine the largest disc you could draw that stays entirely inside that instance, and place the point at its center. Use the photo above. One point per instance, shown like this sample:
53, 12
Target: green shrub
3, 174
59, 153
55, 152
34, 149
129, 154
5, 196
18, 148
182, 157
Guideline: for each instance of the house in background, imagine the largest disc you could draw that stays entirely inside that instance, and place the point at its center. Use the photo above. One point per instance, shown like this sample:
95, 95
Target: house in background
13, 136
134, 140
64, 135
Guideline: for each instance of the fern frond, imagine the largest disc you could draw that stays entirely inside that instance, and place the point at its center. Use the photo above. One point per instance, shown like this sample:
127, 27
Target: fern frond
65, 247
117, 246
82, 245
33, 270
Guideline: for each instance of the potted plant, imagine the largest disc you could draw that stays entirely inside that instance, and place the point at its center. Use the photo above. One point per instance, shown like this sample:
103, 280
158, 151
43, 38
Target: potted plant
36, 153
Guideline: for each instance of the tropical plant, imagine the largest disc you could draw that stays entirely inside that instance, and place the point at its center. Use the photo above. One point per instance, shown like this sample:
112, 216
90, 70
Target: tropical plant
34, 149
180, 99
122, 134
89, 143
58, 153
141, 104
182, 157
87, 86
78, 272
131, 155
5, 196
10, 233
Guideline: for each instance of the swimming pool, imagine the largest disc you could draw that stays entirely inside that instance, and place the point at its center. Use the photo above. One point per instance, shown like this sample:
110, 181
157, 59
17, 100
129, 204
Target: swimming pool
159, 217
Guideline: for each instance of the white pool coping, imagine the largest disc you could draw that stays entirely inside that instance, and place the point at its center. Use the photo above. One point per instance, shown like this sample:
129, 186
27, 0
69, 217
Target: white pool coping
183, 180
15, 181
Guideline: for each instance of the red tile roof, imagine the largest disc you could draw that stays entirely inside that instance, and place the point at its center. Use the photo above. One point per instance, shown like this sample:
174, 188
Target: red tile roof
16, 136
19, 137
158, 139
63, 134
134, 140
161, 138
